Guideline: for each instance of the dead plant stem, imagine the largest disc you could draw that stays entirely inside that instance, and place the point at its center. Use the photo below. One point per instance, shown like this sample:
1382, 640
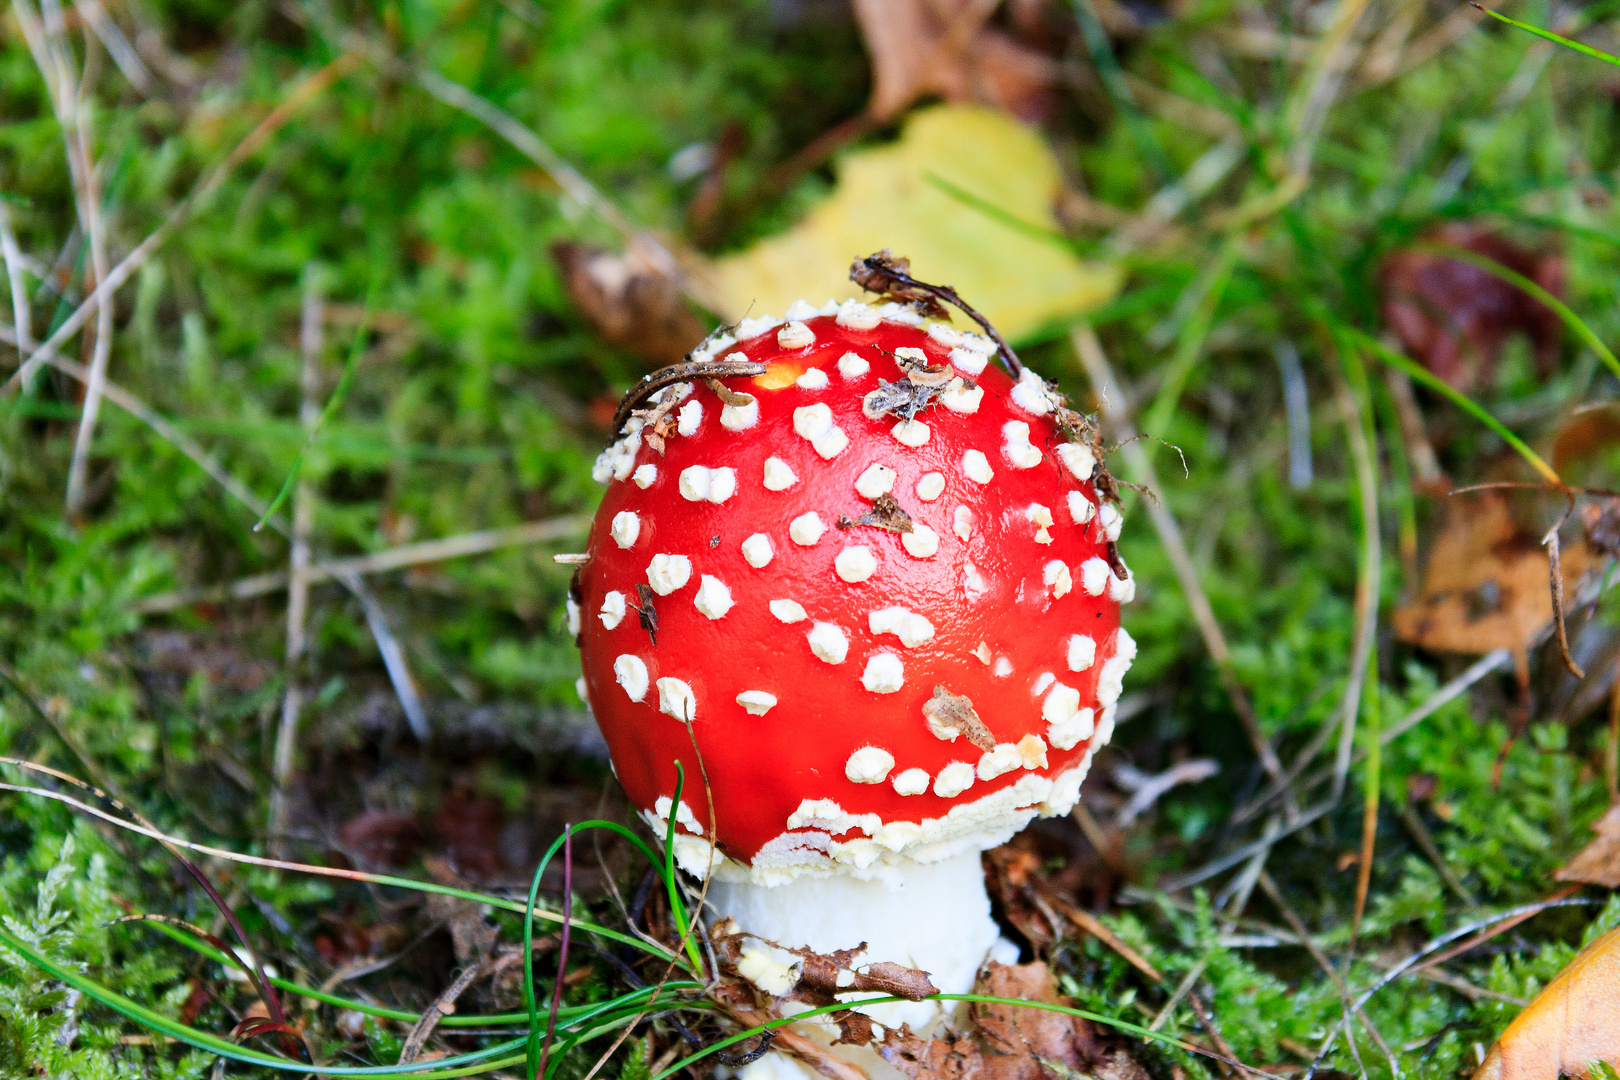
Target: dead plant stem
312, 316
302, 94
14, 277
1112, 405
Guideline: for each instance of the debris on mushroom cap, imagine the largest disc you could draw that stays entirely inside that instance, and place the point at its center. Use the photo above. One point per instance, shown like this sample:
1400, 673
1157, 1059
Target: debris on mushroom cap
888, 597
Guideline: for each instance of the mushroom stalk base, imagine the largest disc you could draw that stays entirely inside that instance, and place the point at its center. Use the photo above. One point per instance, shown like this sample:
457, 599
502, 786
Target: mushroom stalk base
933, 916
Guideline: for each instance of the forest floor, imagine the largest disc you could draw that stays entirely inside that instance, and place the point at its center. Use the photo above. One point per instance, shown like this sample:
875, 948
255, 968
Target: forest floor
398, 261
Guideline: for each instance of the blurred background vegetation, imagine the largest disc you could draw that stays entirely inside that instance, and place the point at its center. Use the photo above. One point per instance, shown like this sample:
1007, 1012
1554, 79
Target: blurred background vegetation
469, 226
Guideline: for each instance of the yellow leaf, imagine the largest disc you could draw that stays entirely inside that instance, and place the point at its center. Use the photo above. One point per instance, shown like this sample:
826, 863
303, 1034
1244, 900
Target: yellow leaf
897, 197
1575, 1020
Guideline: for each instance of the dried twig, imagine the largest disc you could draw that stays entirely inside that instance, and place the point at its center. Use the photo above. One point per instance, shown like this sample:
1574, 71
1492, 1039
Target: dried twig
888, 275
427, 551
1112, 405
301, 95
309, 340
442, 1006
1366, 587
675, 373
14, 277
1303, 935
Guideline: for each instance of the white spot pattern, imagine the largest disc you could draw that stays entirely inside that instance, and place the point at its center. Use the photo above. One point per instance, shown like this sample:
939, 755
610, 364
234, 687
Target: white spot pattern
626, 527
852, 365
713, 598
869, 765
921, 542
976, 467
613, 609
930, 486
855, 564
874, 481
676, 699
666, 573
884, 673
645, 475
911, 628
788, 611
1017, 448
1057, 578
631, 673
779, 475
757, 551
806, 529
756, 702
828, 642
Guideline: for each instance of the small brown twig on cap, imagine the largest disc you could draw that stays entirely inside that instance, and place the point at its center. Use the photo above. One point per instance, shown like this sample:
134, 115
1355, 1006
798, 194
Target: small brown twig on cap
686, 371
889, 275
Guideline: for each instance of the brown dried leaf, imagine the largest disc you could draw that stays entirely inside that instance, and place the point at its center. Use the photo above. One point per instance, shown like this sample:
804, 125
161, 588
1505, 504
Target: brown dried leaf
1485, 582
381, 837
885, 514
1587, 431
887, 977
629, 301
1013, 1043
854, 1028
942, 48
1598, 863
818, 974
950, 715
903, 398
1574, 1021
1454, 317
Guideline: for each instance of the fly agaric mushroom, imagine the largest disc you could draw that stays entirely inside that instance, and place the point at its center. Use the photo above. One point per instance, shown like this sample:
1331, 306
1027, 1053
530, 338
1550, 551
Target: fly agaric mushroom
872, 582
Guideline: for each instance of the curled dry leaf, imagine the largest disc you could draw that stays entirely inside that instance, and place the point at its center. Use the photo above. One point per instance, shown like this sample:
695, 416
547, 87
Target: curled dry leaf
1485, 583
1598, 863
929, 48
629, 301
1014, 1043
821, 977
1455, 317
1573, 1022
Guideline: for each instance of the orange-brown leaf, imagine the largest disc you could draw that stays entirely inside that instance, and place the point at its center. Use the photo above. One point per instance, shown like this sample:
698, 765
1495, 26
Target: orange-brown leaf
1598, 863
1485, 583
1575, 1020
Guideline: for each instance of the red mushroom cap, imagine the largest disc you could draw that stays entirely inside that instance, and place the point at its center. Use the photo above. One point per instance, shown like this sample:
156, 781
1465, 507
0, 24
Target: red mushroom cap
891, 637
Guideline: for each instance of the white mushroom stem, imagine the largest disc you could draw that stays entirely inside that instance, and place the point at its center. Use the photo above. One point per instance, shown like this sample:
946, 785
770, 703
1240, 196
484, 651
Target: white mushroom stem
931, 916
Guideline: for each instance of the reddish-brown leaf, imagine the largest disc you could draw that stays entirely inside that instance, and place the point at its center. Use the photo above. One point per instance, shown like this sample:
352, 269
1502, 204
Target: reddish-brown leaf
1485, 583
943, 48
1454, 317
629, 301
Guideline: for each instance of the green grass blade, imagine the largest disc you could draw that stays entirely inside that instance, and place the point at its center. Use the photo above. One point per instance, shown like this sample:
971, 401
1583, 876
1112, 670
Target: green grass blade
1190, 341
214, 1044
676, 908
1513, 277
1420, 374
333, 404
1596, 54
